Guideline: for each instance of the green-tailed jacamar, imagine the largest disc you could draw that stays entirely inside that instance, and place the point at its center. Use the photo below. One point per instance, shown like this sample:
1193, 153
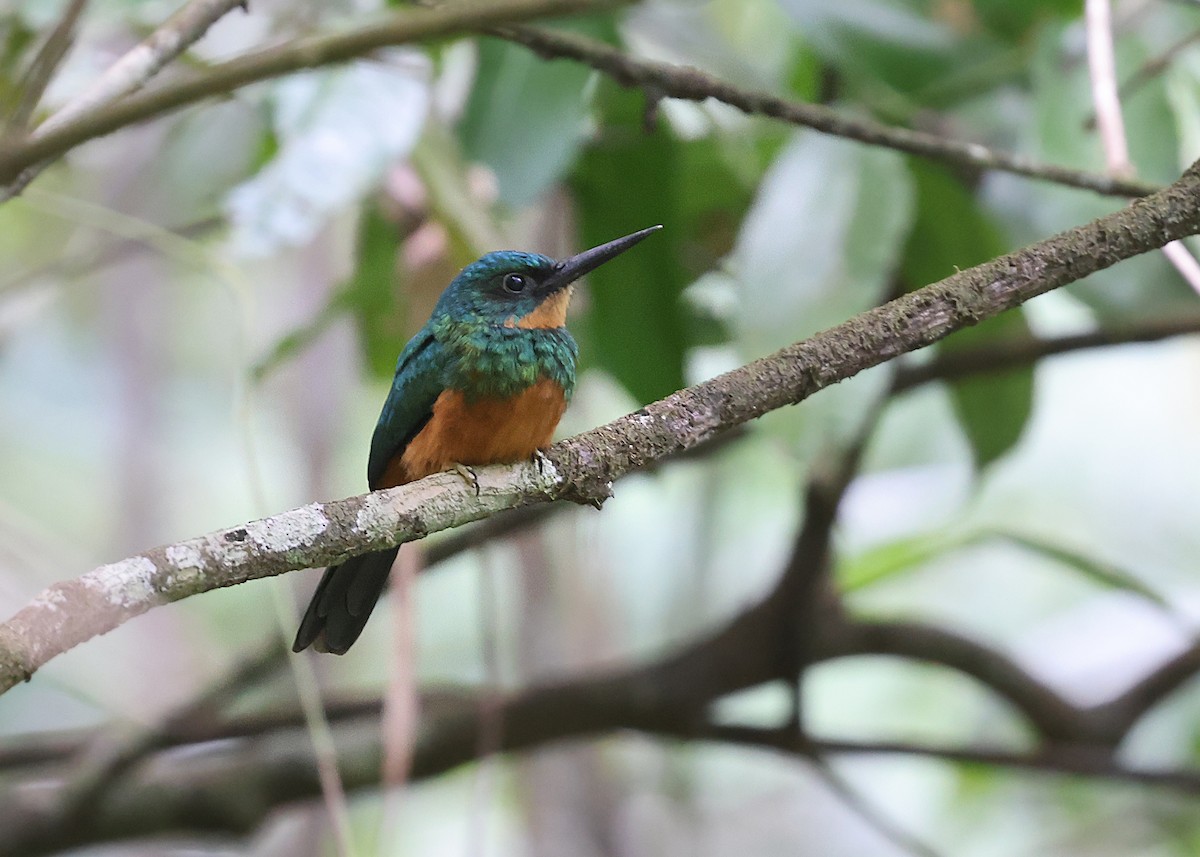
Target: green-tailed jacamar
485, 381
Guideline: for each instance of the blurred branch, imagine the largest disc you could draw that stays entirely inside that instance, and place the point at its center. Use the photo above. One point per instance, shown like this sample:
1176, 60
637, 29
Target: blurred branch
409, 25
1125, 711
860, 806
70, 266
41, 71
137, 67
668, 81
131, 72
107, 757
1106, 101
1090, 762
241, 775
1054, 718
1149, 70
583, 468
1000, 356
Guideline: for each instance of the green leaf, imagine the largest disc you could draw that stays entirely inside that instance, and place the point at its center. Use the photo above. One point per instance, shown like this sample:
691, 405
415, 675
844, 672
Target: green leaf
993, 409
1013, 19
951, 233
888, 560
1105, 574
372, 294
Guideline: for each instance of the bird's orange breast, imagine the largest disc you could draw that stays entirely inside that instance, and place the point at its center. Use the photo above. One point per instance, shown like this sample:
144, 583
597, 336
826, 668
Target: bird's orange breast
482, 431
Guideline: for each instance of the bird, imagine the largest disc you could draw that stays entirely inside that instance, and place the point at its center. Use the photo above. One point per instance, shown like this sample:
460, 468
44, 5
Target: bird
484, 381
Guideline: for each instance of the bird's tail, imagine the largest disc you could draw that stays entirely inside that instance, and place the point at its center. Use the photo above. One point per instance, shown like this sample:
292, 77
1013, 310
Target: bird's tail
343, 602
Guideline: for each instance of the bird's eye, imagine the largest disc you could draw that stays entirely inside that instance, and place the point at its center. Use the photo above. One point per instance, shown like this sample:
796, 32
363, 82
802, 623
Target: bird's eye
514, 284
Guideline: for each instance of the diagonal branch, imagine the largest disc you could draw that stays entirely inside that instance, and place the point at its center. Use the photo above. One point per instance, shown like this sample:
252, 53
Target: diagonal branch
583, 468
137, 67
691, 84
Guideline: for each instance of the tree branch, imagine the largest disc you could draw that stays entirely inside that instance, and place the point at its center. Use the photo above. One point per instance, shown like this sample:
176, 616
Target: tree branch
691, 84
583, 468
403, 27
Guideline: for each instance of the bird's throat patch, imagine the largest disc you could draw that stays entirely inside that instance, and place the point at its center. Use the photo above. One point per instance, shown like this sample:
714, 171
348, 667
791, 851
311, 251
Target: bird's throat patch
549, 314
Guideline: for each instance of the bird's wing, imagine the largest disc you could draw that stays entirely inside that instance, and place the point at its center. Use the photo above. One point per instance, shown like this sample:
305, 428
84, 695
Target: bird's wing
409, 405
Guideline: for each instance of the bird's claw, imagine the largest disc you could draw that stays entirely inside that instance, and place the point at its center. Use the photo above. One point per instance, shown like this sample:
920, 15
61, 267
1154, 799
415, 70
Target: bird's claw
468, 476
540, 461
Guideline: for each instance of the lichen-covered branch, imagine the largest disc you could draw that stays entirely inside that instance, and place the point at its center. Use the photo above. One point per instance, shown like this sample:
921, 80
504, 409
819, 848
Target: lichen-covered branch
583, 468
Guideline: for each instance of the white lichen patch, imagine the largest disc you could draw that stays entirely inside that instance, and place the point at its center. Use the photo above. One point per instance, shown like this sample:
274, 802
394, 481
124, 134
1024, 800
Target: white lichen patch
49, 600
187, 566
128, 583
377, 517
297, 528
185, 555
232, 555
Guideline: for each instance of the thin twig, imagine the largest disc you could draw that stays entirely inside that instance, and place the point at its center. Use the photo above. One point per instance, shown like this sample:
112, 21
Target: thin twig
1102, 71
1026, 351
1149, 70
873, 817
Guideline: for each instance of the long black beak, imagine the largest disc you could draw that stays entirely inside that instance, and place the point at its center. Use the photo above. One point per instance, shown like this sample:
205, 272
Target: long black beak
569, 270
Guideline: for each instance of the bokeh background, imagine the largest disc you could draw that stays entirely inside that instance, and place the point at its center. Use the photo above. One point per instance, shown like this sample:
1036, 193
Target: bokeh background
199, 318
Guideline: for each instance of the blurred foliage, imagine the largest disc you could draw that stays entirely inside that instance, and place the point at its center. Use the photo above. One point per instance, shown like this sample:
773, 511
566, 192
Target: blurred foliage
147, 395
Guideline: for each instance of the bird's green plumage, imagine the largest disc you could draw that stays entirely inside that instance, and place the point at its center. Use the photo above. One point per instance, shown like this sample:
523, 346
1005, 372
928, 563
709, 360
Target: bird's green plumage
470, 344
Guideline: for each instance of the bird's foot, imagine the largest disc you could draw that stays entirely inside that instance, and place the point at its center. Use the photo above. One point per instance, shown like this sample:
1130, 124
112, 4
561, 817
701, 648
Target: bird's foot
468, 476
540, 461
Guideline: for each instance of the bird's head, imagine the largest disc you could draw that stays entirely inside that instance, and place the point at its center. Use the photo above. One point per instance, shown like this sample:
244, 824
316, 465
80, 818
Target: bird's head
524, 290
